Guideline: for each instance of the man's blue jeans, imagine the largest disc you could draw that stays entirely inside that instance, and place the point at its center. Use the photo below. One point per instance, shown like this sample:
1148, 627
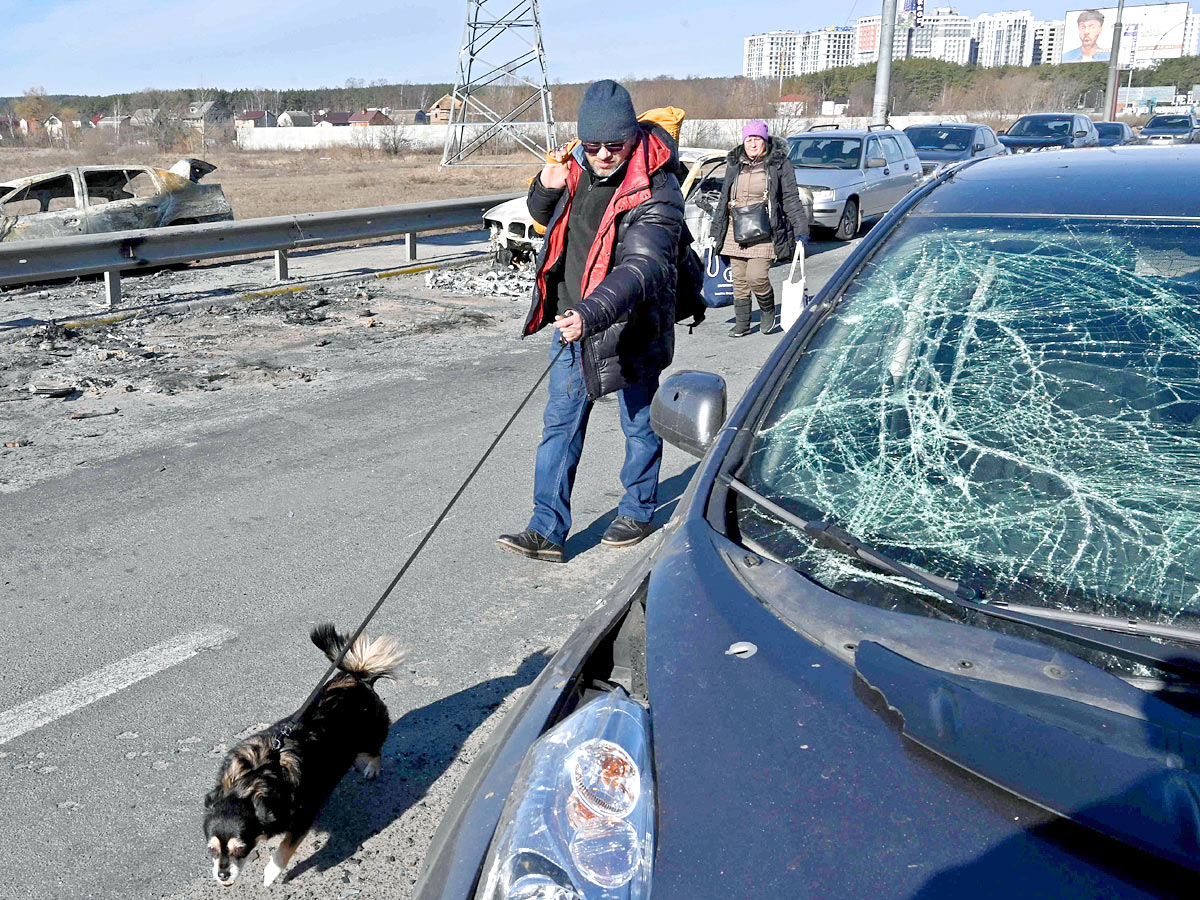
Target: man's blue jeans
565, 422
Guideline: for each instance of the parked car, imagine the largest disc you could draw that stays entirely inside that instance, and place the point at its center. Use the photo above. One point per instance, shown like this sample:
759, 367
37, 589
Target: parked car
514, 238
1050, 131
93, 199
1170, 128
923, 623
849, 176
1115, 134
939, 146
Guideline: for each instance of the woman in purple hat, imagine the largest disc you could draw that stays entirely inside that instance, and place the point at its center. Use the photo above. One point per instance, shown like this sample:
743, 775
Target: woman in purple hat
758, 220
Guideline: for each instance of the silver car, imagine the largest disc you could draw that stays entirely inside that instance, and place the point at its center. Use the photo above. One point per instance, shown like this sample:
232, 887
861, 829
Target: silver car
848, 176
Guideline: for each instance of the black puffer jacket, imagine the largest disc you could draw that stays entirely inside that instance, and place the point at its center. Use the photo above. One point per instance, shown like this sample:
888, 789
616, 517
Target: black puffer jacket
789, 218
629, 312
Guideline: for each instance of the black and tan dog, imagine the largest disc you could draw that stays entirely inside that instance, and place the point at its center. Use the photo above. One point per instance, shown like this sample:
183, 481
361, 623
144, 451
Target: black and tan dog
276, 782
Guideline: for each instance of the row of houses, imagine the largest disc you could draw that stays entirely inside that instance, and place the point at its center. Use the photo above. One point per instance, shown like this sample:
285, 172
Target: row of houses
200, 115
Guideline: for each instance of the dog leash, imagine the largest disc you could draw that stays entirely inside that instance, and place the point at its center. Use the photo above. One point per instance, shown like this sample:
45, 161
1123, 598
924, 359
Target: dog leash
289, 723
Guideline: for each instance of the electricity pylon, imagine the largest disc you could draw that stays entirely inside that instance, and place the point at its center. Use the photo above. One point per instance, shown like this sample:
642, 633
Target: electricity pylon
483, 90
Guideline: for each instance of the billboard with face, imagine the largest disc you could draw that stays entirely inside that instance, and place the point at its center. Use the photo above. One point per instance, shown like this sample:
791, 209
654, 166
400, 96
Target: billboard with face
1148, 34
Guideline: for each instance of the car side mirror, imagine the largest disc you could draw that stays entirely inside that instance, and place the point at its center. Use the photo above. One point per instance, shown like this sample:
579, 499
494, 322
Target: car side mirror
1081, 133
688, 410
876, 162
1002, 131
978, 148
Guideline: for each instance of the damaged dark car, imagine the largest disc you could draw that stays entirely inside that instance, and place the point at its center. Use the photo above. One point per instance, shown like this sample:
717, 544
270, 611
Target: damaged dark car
96, 199
926, 621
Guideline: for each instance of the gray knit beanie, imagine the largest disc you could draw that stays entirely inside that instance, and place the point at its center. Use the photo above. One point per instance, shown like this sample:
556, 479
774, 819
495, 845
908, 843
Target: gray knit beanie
606, 113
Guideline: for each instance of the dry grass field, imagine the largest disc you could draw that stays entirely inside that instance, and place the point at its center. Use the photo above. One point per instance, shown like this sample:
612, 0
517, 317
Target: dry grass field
280, 182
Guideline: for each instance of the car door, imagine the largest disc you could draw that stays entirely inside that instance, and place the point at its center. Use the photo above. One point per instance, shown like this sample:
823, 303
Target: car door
875, 188
902, 178
45, 208
121, 199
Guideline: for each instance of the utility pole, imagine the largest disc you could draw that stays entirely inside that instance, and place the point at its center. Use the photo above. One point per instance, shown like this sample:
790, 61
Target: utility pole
883, 68
1112, 84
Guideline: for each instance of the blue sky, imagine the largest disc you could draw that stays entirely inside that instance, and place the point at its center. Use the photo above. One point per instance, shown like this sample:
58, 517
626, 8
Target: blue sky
109, 46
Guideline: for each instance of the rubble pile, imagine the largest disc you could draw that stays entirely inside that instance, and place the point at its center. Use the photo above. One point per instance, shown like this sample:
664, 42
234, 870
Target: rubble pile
516, 283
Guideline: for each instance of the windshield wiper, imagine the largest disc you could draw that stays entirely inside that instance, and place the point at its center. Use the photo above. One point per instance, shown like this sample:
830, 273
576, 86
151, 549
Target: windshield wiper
1127, 638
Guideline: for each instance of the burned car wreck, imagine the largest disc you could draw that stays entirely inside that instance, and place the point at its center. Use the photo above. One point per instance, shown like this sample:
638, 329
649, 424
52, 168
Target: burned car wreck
95, 199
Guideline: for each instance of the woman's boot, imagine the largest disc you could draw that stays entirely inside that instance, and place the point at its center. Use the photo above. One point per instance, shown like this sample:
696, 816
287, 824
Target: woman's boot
769, 310
741, 314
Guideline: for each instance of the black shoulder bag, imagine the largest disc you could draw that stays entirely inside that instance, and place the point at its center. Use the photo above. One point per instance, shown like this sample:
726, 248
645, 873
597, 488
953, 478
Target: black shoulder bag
752, 224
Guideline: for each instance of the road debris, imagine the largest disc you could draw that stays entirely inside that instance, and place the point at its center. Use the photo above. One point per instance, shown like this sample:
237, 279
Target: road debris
516, 283
94, 415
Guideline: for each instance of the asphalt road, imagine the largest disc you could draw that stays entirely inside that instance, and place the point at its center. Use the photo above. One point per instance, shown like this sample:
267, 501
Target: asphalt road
156, 608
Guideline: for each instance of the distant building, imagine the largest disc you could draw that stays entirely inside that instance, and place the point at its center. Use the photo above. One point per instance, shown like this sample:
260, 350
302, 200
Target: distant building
440, 111
1048, 42
294, 118
144, 118
325, 118
1191, 34
866, 38
370, 117
114, 122
769, 55
202, 113
1003, 39
254, 118
942, 34
793, 105
830, 48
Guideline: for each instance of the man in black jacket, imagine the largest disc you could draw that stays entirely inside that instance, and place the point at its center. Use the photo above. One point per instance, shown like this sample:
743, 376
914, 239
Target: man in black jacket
606, 283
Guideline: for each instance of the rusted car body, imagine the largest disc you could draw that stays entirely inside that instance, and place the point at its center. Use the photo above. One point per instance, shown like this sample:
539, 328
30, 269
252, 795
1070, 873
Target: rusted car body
93, 199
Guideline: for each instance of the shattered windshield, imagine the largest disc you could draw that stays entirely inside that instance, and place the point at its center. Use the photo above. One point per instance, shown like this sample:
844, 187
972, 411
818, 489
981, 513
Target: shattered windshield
1014, 399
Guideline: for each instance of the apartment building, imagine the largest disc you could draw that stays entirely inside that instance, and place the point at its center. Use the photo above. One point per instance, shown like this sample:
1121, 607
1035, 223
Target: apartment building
830, 48
1003, 39
1048, 42
769, 55
942, 34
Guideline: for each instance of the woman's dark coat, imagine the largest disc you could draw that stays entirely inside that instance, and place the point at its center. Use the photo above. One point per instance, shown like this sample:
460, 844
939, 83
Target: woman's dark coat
789, 218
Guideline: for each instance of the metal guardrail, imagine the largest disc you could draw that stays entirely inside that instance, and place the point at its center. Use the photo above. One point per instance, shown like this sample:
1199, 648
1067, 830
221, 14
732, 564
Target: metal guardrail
124, 251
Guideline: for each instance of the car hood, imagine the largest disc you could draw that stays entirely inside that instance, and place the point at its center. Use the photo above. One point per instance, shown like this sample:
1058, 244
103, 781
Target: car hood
783, 775
943, 155
825, 179
516, 209
1016, 142
1147, 132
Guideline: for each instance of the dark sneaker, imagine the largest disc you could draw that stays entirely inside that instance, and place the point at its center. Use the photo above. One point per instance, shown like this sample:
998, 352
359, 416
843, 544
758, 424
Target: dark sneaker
625, 532
531, 544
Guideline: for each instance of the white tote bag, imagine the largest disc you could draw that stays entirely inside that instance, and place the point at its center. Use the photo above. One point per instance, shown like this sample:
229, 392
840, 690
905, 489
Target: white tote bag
792, 297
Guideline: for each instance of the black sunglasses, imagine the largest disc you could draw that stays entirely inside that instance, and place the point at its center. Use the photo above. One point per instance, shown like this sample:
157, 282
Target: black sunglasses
611, 146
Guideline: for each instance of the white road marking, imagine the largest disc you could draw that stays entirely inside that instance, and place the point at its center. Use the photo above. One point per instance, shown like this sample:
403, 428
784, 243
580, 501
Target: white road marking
103, 682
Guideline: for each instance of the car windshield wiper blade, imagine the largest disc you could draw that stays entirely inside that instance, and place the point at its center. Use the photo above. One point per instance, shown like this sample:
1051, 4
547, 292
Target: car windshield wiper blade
1126, 638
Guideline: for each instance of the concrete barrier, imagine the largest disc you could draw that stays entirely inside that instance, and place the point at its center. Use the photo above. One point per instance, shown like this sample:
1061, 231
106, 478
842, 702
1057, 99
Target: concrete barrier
695, 133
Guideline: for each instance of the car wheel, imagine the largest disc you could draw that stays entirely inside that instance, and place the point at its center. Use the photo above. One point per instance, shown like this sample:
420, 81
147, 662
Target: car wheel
848, 226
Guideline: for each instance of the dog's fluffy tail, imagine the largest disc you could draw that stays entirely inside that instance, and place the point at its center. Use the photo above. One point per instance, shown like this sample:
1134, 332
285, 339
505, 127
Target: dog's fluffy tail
368, 660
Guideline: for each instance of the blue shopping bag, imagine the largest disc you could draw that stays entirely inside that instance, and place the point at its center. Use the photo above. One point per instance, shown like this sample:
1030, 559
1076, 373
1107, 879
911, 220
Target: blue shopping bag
718, 282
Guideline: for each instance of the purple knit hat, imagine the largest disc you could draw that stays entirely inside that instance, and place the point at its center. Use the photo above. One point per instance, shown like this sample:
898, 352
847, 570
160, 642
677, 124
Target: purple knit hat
757, 128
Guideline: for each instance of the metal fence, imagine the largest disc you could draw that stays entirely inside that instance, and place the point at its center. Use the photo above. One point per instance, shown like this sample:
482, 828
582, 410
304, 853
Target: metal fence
124, 251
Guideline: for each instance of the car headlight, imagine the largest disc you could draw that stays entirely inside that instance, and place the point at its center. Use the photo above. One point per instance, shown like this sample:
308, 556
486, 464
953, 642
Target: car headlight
824, 196
579, 824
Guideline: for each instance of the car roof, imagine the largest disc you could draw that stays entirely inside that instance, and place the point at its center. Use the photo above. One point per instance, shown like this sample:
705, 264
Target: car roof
845, 132
1106, 182
944, 125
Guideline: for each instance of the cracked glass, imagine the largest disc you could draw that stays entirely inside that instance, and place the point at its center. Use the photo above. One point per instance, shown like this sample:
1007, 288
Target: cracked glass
1013, 402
